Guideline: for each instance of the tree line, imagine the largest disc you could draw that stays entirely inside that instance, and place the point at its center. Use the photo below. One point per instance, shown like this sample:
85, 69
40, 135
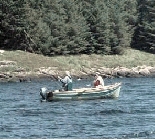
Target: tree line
60, 27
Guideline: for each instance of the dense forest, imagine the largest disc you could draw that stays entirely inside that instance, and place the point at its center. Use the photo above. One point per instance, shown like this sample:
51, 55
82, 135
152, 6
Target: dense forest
57, 27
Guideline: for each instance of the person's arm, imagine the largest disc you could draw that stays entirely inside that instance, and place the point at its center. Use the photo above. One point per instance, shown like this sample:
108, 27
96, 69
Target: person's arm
101, 81
63, 80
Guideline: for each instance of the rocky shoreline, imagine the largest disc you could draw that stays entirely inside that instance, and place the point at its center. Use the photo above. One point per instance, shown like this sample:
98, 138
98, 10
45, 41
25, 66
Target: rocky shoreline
18, 74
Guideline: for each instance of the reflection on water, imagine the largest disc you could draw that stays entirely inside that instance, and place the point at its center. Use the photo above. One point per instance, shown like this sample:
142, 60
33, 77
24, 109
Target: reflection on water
130, 116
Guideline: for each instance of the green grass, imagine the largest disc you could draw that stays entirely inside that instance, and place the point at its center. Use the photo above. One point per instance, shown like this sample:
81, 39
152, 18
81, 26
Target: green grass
30, 61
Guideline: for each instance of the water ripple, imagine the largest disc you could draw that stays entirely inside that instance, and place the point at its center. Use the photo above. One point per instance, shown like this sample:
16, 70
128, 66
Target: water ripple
143, 134
112, 111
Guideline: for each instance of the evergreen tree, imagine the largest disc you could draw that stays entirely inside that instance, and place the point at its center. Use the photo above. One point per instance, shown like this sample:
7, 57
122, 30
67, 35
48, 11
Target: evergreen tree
123, 15
111, 24
144, 38
12, 24
58, 27
75, 29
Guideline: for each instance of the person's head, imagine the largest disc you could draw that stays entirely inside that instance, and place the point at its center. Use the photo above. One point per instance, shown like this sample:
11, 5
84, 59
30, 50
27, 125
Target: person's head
96, 74
67, 73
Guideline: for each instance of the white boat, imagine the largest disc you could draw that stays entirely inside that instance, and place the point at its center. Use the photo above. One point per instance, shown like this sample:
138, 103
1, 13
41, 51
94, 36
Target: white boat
110, 91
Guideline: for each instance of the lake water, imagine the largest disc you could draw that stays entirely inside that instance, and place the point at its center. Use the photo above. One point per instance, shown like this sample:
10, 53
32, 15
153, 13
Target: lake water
132, 115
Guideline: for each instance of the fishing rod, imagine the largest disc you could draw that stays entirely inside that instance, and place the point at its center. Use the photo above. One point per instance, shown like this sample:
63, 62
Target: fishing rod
53, 77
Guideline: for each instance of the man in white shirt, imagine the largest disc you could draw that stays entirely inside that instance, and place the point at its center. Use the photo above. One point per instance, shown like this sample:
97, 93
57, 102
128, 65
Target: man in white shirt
67, 81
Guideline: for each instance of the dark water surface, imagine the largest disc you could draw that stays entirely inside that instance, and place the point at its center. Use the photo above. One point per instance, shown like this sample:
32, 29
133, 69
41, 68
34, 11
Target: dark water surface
132, 115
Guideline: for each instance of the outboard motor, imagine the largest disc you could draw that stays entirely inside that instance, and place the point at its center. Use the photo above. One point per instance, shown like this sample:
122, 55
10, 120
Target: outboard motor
43, 93
47, 96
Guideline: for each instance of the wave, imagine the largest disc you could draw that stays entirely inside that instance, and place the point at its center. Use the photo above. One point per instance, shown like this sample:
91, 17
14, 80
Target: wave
112, 111
143, 134
119, 111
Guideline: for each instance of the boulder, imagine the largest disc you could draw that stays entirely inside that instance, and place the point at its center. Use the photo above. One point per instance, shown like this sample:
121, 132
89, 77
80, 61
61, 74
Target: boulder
144, 72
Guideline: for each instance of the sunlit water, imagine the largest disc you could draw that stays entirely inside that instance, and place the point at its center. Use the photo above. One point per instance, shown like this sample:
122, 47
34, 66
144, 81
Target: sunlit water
132, 115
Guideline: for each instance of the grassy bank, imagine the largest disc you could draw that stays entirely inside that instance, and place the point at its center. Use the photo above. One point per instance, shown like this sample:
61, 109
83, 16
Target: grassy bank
30, 61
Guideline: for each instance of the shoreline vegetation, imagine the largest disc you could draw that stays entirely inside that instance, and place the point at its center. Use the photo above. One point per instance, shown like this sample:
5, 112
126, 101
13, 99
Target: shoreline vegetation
20, 66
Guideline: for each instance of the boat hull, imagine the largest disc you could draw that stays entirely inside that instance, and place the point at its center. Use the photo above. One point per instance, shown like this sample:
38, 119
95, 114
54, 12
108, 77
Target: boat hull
111, 91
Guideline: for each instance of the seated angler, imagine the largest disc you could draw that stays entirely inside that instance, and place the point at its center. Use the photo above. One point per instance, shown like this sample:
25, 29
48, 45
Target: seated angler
98, 82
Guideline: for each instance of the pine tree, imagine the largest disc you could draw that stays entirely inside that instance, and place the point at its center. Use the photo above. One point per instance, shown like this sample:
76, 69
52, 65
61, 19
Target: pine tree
144, 38
111, 24
12, 24
57, 27
75, 28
